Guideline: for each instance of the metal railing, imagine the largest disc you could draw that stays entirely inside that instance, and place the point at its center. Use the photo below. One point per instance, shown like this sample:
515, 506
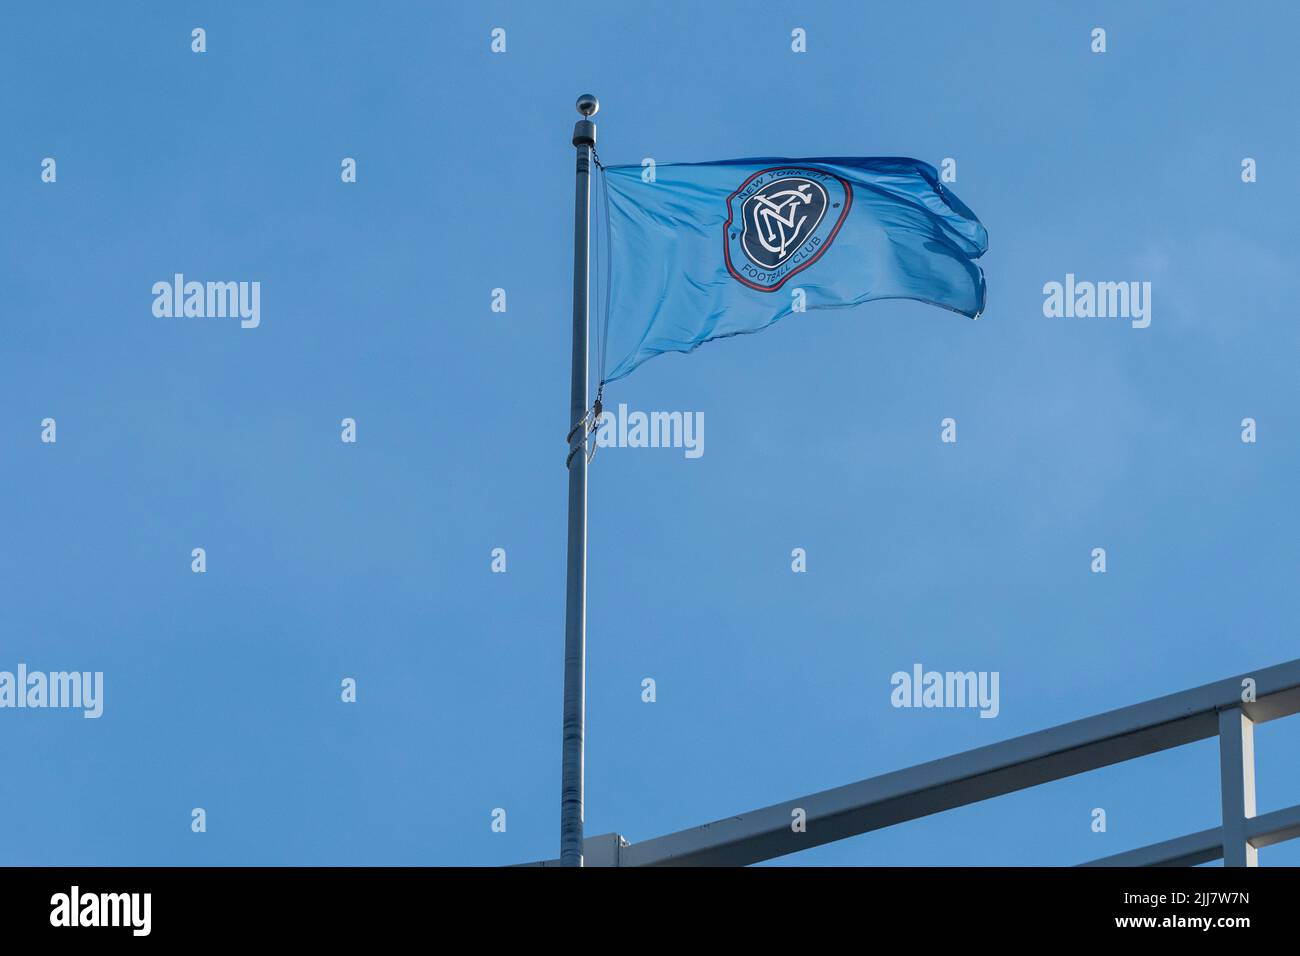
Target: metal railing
1228, 708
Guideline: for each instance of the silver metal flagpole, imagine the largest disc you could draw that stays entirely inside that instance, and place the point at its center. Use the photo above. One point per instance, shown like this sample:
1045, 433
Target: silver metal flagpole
575, 605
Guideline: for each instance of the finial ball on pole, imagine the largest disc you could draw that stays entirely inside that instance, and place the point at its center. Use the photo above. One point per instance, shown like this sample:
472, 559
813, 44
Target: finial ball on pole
588, 104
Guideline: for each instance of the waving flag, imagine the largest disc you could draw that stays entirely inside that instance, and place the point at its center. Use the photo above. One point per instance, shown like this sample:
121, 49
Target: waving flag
709, 250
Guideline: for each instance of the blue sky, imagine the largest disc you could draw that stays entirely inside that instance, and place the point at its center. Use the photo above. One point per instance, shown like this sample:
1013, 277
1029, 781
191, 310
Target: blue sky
372, 560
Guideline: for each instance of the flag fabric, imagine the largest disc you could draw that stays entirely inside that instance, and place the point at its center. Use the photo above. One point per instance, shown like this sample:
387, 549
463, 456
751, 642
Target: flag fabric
702, 251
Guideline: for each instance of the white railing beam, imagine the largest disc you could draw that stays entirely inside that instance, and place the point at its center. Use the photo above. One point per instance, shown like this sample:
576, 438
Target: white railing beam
1237, 776
979, 774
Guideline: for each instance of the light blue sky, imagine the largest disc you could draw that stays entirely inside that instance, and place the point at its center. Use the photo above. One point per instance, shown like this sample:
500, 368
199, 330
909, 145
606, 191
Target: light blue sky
372, 560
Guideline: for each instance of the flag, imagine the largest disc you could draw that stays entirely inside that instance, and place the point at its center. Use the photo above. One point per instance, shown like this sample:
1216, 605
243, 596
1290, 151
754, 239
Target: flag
702, 251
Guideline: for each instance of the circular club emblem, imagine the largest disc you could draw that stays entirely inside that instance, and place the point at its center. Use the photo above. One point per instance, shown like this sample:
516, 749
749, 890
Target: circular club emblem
780, 221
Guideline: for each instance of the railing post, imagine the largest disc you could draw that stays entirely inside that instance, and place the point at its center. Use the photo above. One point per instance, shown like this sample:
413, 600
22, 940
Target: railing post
1237, 773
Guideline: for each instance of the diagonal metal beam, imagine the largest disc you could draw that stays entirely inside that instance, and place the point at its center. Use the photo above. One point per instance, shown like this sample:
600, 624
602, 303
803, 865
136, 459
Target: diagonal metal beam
1197, 848
1272, 828
1191, 850
975, 775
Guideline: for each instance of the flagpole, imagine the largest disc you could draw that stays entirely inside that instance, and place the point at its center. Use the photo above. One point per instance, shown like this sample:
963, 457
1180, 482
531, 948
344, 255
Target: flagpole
575, 605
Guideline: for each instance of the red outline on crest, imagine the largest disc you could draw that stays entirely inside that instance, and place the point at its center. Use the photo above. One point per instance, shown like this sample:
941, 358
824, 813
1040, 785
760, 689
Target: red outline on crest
726, 245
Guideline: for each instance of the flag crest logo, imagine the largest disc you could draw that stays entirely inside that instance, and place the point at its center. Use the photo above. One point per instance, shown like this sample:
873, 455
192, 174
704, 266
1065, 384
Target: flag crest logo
779, 222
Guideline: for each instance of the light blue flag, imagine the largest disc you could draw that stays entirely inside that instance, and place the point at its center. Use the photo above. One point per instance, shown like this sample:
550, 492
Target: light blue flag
708, 250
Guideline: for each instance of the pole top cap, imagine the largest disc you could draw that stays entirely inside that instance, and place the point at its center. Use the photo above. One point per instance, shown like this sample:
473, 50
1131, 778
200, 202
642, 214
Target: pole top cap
588, 104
